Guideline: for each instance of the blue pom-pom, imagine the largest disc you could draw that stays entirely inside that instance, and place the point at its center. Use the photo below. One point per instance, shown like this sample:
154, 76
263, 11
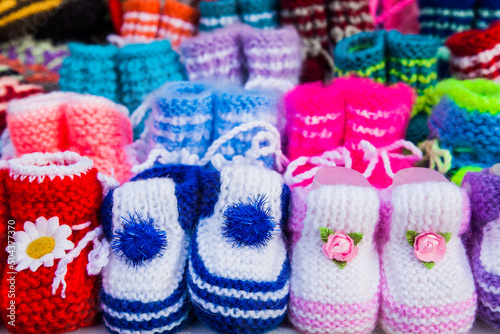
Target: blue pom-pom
249, 224
138, 241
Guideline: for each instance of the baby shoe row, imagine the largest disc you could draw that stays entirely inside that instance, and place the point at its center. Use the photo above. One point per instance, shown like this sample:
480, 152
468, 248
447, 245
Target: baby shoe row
330, 125
221, 13
464, 127
124, 75
240, 54
475, 53
92, 126
391, 57
191, 120
443, 18
145, 20
361, 257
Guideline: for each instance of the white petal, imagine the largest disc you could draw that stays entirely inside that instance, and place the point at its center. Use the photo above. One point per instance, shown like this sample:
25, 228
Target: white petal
21, 256
24, 264
52, 226
30, 228
58, 253
65, 244
62, 232
48, 260
41, 225
35, 264
22, 237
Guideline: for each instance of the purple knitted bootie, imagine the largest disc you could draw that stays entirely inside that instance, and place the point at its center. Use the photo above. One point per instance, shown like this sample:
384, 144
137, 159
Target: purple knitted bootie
484, 192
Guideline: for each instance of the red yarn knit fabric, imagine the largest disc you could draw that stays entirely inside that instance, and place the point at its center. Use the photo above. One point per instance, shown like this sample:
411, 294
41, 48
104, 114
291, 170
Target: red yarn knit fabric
348, 17
74, 200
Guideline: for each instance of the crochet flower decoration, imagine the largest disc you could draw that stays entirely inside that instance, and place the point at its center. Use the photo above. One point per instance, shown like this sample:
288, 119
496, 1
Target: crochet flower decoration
428, 247
41, 243
339, 246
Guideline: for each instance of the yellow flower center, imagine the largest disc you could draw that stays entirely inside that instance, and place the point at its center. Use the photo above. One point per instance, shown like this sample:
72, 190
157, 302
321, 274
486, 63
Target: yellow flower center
40, 247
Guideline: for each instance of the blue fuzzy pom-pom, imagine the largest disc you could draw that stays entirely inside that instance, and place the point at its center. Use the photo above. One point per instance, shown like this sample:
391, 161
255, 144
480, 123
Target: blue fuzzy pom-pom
138, 241
249, 224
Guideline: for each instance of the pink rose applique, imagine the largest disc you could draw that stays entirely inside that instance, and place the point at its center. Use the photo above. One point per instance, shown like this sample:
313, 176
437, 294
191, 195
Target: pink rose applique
429, 247
340, 247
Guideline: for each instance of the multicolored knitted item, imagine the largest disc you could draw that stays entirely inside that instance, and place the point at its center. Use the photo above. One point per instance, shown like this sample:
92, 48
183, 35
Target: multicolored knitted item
348, 17
362, 54
475, 54
177, 22
427, 283
412, 59
273, 58
309, 17
182, 117
233, 107
90, 125
33, 74
443, 18
217, 14
262, 14
148, 222
239, 268
90, 69
465, 123
335, 264
144, 67
484, 190
376, 126
214, 56
141, 19
487, 12
54, 233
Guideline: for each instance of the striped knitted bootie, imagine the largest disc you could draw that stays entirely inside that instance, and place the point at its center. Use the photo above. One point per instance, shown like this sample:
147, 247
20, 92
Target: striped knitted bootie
427, 283
218, 14
54, 231
484, 190
238, 267
335, 264
475, 54
148, 222
262, 14
273, 58
140, 20
178, 22
348, 17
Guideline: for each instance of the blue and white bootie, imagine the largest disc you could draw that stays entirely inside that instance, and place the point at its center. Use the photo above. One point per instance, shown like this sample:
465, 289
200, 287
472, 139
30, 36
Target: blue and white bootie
239, 267
148, 222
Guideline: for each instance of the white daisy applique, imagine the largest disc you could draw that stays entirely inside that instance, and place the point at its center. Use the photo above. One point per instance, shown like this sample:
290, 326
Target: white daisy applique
41, 243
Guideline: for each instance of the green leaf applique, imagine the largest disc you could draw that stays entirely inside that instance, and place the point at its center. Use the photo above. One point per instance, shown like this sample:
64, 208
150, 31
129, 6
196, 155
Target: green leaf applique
410, 236
340, 264
325, 232
356, 237
446, 236
429, 265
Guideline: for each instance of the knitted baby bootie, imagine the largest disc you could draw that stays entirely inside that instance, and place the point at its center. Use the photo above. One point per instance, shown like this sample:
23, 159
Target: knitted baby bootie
238, 267
140, 20
484, 190
100, 129
427, 283
215, 56
464, 124
309, 18
148, 222
178, 22
36, 123
475, 54
273, 58
90, 69
348, 17
376, 127
145, 67
412, 59
182, 117
362, 54
217, 14
53, 200
488, 11
443, 18
262, 14
335, 264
